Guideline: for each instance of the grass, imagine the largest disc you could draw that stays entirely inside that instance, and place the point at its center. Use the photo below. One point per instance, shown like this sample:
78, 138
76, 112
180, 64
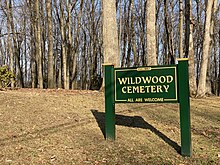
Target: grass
66, 127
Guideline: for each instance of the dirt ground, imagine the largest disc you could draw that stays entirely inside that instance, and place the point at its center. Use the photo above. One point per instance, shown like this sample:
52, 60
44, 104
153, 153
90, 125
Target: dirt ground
66, 127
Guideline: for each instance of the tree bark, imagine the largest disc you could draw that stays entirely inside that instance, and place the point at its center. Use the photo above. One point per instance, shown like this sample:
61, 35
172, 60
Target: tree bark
110, 36
181, 29
50, 44
69, 40
16, 45
169, 35
151, 32
219, 65
189, 50
10, 50
74, 60
38, 46
134, 50
205, 50
63, 45
33, 48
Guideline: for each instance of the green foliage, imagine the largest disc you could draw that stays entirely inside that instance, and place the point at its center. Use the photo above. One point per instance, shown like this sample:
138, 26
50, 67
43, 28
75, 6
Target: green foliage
6, 77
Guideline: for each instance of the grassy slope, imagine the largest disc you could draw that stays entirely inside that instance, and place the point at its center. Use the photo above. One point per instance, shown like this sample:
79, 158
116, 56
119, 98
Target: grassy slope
60, 127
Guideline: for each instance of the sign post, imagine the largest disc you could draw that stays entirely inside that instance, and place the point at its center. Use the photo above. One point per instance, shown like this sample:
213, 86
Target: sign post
184, 104
152, 84
109, 102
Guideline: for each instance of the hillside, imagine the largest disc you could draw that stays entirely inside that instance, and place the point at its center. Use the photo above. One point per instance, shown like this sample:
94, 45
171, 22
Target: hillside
65, 127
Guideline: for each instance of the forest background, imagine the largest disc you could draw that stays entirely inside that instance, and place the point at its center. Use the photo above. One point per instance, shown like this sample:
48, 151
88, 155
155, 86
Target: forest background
63, 44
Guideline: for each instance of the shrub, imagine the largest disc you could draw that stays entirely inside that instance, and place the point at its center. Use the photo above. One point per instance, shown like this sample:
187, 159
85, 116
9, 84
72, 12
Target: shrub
6, 77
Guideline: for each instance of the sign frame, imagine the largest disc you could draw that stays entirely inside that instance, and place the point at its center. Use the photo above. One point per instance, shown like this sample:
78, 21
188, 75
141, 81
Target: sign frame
143, 71
182, 80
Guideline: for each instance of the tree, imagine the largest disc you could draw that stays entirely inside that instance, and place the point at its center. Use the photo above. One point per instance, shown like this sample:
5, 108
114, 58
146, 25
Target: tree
76, 41
32, 32
181, 28
205, 49
169, 35
63, 43
189, 48
133, 42
10, 50
110, 36
50, 44
151, 32
14, 49
38, 46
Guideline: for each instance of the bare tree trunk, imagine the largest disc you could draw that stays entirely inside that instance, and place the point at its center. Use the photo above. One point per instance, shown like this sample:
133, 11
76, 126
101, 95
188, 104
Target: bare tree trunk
70, 41
209, 80
128, 32
1, 52
134, 50
60, 75
10, 50
192, 76
189, 50
31, 10
187, 28
74, 57
84, 62
120, 31
25, 54
43, 42
38, 46
169, 35
58, 59
55, 66
219, 65
50, 44
198, 37
123, 39
214, 68
205, 50
63, 45
181, 29
33, 54
94, 46
71, 55
16, 45
110, 36
151, 32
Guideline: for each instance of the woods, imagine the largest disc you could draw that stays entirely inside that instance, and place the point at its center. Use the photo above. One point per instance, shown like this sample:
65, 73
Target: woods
63, 44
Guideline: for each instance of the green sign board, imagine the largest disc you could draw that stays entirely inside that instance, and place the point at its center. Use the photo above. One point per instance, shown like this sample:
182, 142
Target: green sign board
146, 84
152, 84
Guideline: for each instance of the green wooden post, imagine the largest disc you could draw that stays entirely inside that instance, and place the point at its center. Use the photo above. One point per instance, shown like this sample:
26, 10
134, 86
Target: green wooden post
109, 102
185, 128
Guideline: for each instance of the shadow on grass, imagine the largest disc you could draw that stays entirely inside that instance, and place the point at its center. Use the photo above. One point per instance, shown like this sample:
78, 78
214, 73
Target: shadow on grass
41, 133
135, 122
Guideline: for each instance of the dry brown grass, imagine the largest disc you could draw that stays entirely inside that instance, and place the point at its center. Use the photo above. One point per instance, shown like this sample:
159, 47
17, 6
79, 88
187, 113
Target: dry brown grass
64, 127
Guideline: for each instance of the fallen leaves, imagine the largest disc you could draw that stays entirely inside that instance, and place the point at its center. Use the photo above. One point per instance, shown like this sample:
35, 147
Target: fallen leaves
53, 158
